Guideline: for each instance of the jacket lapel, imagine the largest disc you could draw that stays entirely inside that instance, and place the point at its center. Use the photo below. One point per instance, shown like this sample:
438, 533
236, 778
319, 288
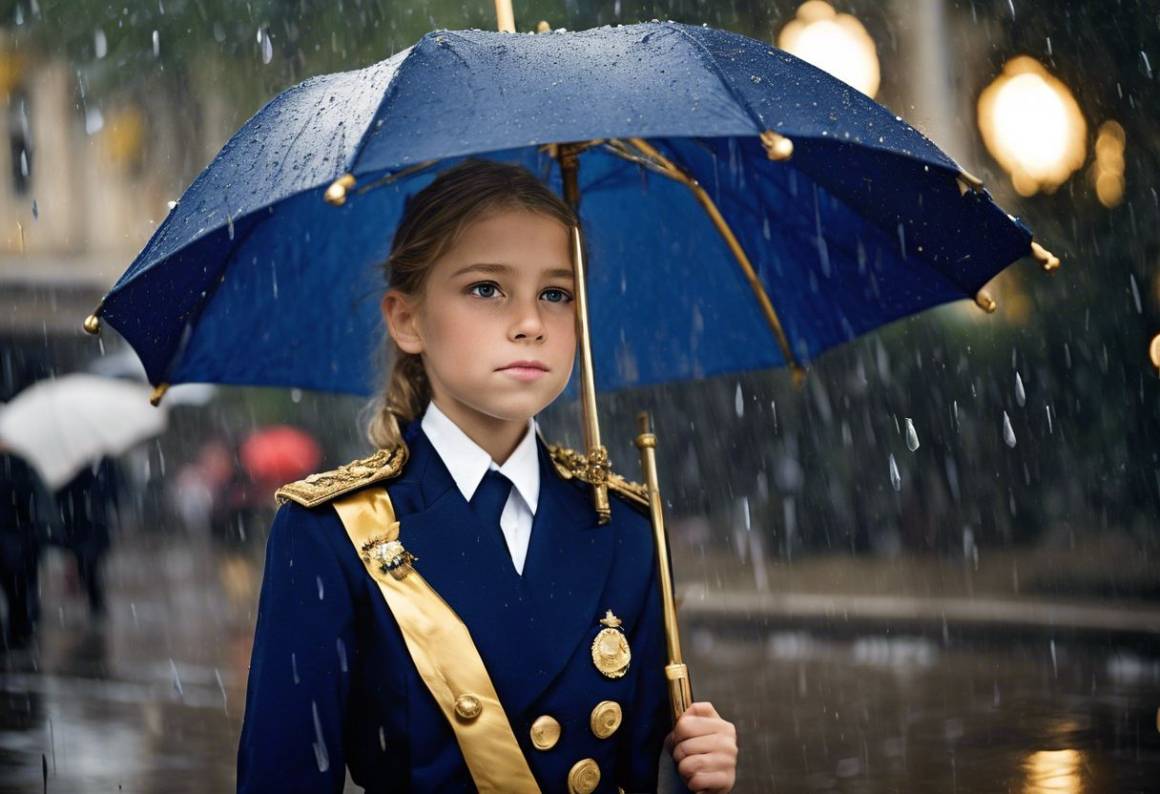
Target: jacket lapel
526, 628
568, 564
466, 563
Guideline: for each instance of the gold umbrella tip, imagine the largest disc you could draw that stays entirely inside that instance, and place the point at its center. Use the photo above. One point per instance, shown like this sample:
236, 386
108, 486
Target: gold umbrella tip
1048, 260
986, 302
336, 193
1154, 351
158, 392
798, 374
777, 146
92, 324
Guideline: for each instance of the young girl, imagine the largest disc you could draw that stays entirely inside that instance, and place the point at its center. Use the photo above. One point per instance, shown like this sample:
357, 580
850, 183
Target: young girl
448, 614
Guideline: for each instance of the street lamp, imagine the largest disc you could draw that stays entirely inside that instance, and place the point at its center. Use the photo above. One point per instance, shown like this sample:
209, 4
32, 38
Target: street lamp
833, 42
1032, 125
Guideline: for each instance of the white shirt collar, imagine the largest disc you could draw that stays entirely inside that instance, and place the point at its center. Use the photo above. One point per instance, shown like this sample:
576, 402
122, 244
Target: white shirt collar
468, 462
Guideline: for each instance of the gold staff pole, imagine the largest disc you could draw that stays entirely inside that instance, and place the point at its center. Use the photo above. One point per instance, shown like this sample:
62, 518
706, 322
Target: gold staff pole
676, 671
597, 456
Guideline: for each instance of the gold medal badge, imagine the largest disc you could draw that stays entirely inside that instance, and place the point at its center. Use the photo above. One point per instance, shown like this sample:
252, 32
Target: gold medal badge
389, 555
610, 652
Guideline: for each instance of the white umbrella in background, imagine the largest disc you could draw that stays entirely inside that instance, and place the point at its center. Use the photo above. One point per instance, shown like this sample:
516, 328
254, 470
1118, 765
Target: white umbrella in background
125, 364
61, 426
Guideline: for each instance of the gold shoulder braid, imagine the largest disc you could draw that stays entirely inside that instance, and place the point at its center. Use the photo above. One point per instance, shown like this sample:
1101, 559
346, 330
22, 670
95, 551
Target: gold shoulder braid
325, 486
571, 464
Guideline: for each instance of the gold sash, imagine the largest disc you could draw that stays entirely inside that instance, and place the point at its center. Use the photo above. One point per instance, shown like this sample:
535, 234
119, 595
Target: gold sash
443, 653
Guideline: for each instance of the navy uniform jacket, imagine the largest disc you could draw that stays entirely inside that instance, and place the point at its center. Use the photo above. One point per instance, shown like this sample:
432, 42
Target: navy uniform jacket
332, 684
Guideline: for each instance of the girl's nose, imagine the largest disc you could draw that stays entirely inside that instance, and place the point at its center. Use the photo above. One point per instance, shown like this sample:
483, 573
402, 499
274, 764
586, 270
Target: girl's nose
528, 324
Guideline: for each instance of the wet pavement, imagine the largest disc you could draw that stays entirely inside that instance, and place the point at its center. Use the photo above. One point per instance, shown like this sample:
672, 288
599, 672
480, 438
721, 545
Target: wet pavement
151, 699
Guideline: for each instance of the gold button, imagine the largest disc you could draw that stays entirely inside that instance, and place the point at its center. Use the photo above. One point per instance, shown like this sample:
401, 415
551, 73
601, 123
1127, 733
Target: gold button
584, 777
545, 732
467, 707
606, 717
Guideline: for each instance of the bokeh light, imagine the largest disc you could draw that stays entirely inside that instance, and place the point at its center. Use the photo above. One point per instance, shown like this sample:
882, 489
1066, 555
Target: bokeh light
1107, 172
836, 43
1032, 126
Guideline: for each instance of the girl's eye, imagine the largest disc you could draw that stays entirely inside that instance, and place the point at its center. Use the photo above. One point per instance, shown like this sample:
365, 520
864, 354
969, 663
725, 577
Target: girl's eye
484, 290
555, 295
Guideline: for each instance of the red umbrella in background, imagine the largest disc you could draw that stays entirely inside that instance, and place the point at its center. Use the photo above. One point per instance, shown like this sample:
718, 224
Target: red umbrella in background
279, 454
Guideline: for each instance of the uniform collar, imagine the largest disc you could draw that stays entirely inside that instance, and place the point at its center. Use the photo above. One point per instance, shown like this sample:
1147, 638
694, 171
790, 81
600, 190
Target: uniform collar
467, 462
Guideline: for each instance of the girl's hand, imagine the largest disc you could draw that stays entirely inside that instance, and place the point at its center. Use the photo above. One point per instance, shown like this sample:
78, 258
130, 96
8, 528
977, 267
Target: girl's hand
704, 747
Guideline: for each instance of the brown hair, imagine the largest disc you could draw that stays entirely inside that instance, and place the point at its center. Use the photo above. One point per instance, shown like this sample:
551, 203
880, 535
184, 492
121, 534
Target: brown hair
432, 221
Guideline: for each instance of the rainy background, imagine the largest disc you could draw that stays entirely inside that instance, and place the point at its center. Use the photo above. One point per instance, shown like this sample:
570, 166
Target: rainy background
933, 566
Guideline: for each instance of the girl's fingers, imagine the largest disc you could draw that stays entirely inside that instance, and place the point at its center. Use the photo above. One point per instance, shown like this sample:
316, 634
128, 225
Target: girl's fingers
711, 782
702, 708
711, 743
689, 726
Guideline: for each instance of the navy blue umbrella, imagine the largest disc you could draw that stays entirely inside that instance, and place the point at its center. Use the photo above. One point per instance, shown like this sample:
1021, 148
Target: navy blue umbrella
742, 209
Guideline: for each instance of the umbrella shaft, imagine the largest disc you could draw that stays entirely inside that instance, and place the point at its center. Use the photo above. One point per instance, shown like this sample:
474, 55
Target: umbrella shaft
505, 19
597, 455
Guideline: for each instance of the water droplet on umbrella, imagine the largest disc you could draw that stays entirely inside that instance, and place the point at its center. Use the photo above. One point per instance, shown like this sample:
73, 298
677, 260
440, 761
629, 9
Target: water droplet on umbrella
321, 590
895, 477
911, 436
1008, 431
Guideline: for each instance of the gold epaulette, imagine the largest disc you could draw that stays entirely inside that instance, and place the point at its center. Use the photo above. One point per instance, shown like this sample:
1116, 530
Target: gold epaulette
321, 488
571, 464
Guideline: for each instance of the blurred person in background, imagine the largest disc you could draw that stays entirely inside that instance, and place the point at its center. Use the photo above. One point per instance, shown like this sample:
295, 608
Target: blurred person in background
87, 508
23, 528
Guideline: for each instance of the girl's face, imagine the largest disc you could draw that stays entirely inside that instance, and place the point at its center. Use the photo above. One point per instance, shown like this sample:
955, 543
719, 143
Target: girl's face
495, 323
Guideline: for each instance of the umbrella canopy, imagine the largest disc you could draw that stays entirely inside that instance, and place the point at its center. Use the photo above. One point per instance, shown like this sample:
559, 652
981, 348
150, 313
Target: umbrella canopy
60, 426
262, 282
279, 454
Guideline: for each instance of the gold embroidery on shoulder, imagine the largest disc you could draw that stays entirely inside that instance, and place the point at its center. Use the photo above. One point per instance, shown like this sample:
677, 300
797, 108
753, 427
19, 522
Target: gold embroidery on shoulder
571, 464
321, 488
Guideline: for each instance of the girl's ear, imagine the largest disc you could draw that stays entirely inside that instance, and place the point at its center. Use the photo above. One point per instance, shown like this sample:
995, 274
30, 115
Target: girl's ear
400, 313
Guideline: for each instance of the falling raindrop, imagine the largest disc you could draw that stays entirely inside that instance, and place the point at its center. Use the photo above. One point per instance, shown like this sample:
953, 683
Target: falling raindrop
100, 44
35, 210
739, 403
1020, 393
24, 163
911, 436
294, 667
1008, 431
266, 44
222, 688
1136, 293
895, 477
341, 654
176, 679
1050, 429
321, 756
321, 590
156, 44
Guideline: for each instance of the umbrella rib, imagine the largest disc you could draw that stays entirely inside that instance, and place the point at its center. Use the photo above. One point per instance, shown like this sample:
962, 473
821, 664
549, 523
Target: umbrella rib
655, 161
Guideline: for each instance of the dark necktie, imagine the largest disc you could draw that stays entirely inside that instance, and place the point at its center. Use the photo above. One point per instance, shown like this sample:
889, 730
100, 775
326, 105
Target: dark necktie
490, 498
